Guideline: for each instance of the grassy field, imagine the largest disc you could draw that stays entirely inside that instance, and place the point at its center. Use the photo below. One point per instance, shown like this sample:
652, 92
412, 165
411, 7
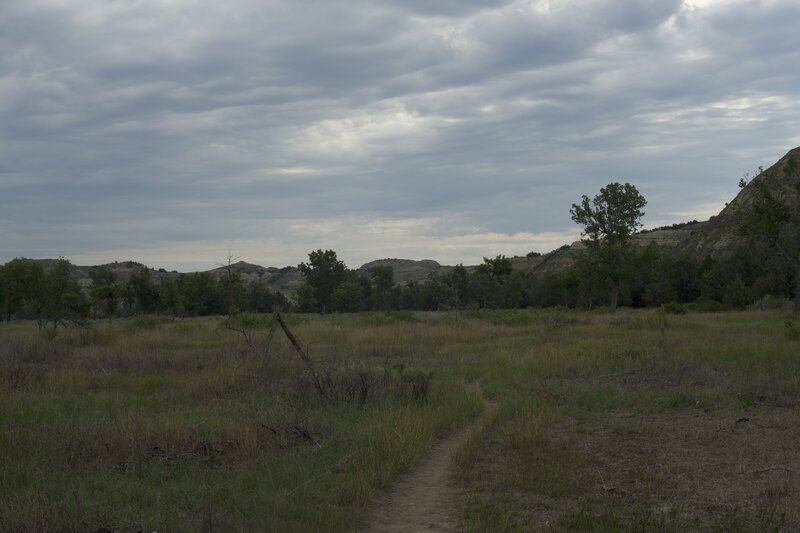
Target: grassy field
604, 422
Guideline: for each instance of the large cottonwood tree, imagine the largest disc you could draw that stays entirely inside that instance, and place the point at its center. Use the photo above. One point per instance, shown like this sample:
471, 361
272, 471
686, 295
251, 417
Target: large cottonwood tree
609, 222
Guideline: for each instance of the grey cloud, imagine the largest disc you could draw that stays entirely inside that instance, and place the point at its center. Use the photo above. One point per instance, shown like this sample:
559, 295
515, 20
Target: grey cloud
452, 8
134, 126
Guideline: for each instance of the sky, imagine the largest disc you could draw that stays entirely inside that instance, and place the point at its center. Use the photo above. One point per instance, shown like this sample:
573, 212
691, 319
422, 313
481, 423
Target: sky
179, 132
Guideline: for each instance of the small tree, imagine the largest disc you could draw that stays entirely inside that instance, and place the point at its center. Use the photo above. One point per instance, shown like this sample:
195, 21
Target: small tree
324, 273
382, 283
458, 280
258, 298
21, 284
62, 298
347, 297
609, 222
492, 275
199, 294
143, 293
172, 299
104, 290
774, 213
231, 285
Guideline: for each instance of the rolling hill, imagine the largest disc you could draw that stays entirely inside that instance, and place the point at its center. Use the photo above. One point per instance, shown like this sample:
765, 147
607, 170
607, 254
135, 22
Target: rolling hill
716, 237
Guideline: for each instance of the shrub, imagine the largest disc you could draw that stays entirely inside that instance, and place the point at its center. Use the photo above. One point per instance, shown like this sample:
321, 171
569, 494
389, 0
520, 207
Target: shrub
791, 330
419, 382
621, 319
386, 318
511, 317
674, 308
246, 324
331, 382
148, 322
706, 305
770, 302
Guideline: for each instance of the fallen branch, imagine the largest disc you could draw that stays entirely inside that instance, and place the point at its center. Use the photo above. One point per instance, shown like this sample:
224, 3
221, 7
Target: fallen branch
278, 436
306, 435
770, 469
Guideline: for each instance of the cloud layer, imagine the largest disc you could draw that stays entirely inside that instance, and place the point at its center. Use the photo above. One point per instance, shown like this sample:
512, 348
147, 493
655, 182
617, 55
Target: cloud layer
171, 131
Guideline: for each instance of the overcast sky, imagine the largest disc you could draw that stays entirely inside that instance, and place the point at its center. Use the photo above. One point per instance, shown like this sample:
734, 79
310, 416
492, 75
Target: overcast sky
172, 131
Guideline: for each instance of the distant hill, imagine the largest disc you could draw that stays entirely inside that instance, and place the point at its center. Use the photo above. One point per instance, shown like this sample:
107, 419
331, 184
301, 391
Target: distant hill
285, 280
406, 270
122, 269
716, 237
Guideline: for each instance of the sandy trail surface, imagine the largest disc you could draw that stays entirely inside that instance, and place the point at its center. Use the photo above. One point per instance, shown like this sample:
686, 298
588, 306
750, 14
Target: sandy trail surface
423, 499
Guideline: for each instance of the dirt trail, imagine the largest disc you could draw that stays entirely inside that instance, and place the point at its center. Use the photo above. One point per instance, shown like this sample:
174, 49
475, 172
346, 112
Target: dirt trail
423, 499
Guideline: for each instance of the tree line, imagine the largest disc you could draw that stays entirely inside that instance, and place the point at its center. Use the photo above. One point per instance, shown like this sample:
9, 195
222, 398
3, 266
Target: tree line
648, 278
608, 270
53, 295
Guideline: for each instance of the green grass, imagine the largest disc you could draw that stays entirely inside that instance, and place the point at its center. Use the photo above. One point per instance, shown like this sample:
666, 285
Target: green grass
616, 426
178, 426
604, 423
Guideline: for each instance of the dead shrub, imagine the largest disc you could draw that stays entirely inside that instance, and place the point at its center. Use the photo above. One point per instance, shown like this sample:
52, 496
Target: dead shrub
338, 383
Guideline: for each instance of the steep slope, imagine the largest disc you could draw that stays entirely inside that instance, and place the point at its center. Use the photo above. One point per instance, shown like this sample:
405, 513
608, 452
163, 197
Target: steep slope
718, 237
721, 234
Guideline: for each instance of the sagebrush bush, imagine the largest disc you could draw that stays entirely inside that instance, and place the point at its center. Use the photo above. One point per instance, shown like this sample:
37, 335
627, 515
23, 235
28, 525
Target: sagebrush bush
791, 330
674, 308
147, 322
770, 303
386, 318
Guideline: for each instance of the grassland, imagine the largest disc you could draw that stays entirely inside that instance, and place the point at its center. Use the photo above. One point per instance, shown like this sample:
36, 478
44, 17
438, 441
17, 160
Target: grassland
603, 422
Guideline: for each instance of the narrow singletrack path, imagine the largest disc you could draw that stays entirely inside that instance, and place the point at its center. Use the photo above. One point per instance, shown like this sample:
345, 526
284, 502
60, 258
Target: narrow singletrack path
424, 499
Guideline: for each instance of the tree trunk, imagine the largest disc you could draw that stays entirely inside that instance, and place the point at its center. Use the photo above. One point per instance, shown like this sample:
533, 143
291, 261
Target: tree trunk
797, 287
7, 305
612, 308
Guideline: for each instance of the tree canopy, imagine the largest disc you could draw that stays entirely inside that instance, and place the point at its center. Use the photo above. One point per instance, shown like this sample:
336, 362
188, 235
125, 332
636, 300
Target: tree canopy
324, 273
609, 222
